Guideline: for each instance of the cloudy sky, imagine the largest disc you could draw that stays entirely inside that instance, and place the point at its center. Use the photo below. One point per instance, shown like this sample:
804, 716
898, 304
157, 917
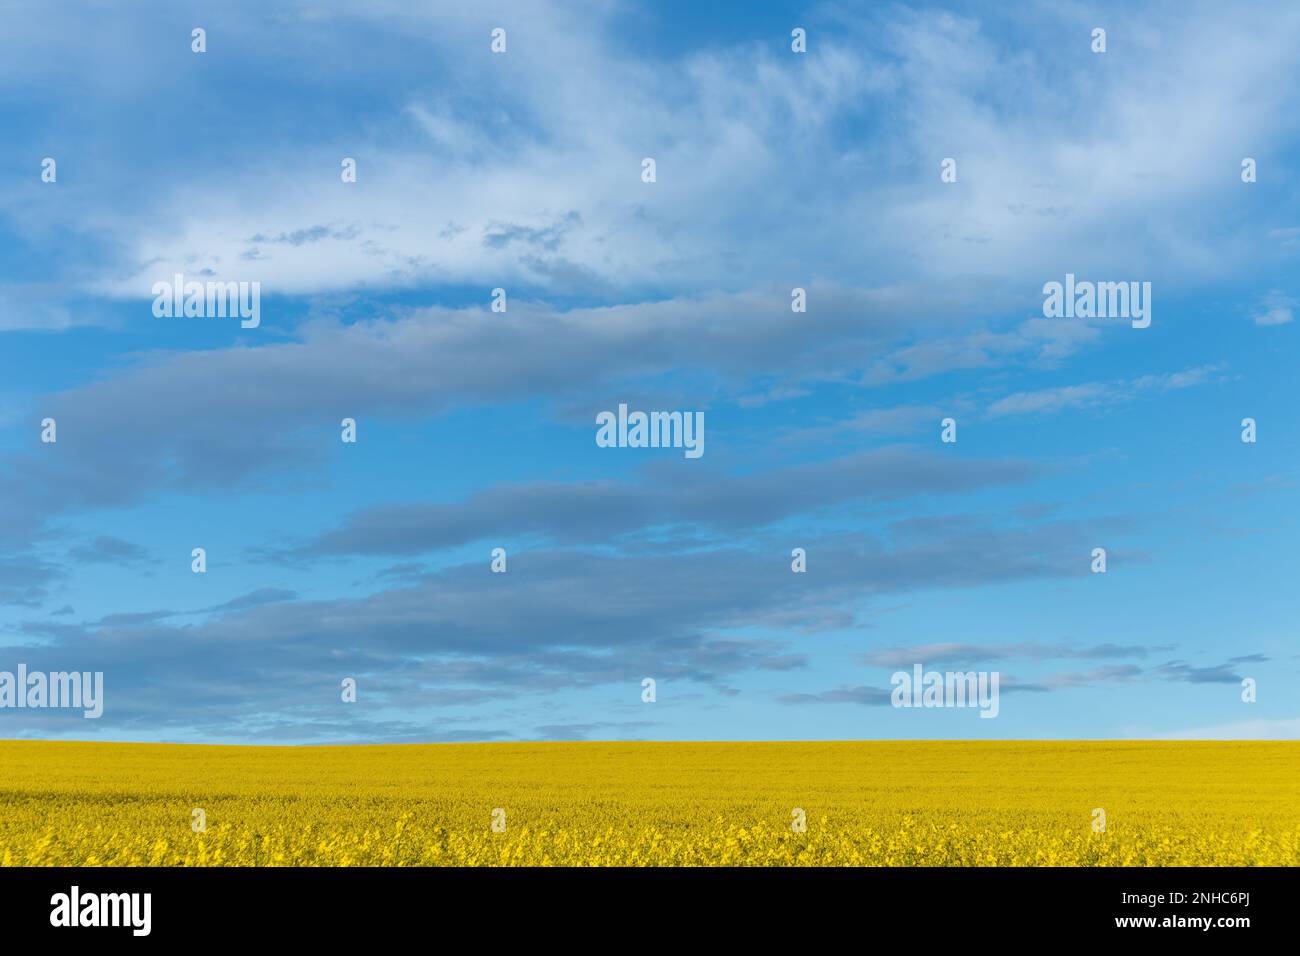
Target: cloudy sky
476, 429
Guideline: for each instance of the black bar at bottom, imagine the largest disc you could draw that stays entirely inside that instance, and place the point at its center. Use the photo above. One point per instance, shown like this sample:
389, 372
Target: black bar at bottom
961, 906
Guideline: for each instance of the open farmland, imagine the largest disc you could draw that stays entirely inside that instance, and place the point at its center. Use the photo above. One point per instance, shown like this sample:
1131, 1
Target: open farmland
892, 803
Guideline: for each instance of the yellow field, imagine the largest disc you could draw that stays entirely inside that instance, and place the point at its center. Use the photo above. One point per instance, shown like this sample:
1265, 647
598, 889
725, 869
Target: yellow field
875, 804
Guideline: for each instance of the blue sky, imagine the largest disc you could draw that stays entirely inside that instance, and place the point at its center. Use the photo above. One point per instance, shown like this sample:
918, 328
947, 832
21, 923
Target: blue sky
476, 429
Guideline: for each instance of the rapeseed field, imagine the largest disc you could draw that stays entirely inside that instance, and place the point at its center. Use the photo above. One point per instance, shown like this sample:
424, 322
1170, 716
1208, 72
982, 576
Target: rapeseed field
894, 803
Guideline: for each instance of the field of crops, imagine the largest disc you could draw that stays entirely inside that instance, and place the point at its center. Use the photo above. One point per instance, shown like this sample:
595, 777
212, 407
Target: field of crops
894, 803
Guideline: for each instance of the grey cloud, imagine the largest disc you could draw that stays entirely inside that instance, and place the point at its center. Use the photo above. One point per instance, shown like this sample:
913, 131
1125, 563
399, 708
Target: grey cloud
25, 580
954, 654
107, 549
844, 695
1226, 673
499, 235
279, 399
462, 635
1114, 673
299, 237
256, 599
134, 618
667, 495
253, 599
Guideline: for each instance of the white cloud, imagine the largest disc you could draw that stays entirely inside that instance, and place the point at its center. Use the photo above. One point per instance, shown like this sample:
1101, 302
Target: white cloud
1275, 310
1086, 170
1097, 394
1287, 728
